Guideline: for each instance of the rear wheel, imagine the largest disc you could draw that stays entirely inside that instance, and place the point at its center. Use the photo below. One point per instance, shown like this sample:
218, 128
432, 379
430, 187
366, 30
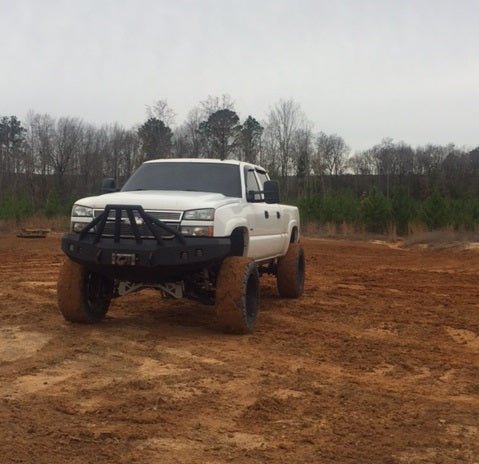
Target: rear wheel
237, 295
290, 276
83, 296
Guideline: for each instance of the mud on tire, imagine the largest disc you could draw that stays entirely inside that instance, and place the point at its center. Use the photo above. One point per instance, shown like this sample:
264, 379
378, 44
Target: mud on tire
237, 295
83, 296
290, 275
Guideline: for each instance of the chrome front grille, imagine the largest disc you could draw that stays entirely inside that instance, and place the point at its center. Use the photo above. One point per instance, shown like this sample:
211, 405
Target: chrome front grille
169, 218
165, 216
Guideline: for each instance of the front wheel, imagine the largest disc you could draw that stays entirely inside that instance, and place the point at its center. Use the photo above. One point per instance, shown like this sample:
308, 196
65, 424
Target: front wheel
237, 295
83, 296
290, 275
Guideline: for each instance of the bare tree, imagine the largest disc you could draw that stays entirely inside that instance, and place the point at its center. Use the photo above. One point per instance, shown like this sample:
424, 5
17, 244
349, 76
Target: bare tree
213, 104
89, 162
303, 149
430, 157
331, 154
361, 163
188, 141
269, 156
68, 135
283, 121
404, 159
160, 110
42, 127
181, 145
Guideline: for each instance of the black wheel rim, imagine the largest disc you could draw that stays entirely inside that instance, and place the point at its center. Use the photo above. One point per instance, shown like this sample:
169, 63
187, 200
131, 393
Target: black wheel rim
300, 275
98, 293
252, 288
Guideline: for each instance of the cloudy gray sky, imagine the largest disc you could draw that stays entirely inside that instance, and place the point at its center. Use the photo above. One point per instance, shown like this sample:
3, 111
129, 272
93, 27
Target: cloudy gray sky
363, 69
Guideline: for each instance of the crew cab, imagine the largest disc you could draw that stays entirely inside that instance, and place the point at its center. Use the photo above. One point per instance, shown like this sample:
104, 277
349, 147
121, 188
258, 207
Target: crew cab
204, 229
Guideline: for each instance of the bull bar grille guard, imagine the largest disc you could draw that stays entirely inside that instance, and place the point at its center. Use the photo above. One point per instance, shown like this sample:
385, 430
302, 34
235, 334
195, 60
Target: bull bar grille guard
97, 225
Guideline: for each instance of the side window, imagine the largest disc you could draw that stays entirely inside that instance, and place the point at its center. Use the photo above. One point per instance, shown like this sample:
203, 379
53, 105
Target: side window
251, 182
262, 179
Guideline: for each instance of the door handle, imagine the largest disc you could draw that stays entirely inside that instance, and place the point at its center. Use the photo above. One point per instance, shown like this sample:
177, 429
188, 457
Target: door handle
266, 214
278, 214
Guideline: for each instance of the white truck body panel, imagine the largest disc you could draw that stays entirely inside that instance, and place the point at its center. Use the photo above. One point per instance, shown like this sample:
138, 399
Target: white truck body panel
268, 227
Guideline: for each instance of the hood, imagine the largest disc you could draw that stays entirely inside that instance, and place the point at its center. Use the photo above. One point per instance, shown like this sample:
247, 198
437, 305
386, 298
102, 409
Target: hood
159, 200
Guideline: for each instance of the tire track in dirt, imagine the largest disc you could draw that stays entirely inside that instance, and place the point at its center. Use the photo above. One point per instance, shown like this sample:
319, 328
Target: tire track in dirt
374, 364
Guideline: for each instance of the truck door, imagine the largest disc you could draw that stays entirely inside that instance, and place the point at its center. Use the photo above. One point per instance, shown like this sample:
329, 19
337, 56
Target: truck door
267, 239
278, 225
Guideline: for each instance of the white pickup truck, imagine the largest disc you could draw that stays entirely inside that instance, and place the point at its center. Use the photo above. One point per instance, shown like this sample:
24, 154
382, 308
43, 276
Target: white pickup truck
197, 228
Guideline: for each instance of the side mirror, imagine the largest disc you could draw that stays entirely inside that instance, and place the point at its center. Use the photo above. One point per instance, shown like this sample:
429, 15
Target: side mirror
108, 185
271, 191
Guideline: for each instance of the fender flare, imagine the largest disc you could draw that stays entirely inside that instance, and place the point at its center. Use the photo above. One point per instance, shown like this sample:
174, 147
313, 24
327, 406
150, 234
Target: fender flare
235, 223
291, 225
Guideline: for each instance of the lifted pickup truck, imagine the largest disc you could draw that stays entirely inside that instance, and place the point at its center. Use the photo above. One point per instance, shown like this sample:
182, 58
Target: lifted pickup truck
201, 229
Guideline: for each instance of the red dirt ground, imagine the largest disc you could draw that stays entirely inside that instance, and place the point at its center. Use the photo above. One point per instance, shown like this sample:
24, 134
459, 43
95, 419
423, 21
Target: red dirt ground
377, 363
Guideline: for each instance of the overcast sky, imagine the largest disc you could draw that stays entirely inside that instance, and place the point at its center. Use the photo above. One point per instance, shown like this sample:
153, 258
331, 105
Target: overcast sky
362, 69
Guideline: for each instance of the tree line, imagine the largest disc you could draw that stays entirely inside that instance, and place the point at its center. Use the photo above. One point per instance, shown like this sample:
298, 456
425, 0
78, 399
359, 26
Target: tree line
46, 162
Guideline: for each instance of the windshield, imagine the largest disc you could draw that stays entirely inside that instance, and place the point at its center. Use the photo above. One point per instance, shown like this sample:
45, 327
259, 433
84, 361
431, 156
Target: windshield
187, 176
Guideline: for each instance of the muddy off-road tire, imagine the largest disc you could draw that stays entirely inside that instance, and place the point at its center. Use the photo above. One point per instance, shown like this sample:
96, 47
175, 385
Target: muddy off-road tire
290, 276
237, 295
83, 296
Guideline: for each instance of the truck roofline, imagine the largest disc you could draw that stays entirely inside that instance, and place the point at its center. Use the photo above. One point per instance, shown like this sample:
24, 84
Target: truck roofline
204, 160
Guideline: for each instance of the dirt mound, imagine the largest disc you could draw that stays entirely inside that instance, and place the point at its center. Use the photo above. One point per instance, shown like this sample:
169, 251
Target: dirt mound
444, 239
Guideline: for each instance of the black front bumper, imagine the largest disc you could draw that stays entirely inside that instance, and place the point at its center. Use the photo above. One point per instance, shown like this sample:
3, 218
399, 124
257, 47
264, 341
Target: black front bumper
152, 262
139, 259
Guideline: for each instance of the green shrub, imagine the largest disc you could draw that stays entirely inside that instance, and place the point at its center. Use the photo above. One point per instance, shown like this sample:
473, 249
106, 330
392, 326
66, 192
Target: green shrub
404, 210
464, 213
376, 211
434, 212
15, 207
310, 208
337, 208
343, 207
56, 205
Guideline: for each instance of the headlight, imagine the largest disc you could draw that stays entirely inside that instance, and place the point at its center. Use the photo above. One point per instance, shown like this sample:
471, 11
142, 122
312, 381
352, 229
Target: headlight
198, 231
199, 214
82, 211
78, 226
